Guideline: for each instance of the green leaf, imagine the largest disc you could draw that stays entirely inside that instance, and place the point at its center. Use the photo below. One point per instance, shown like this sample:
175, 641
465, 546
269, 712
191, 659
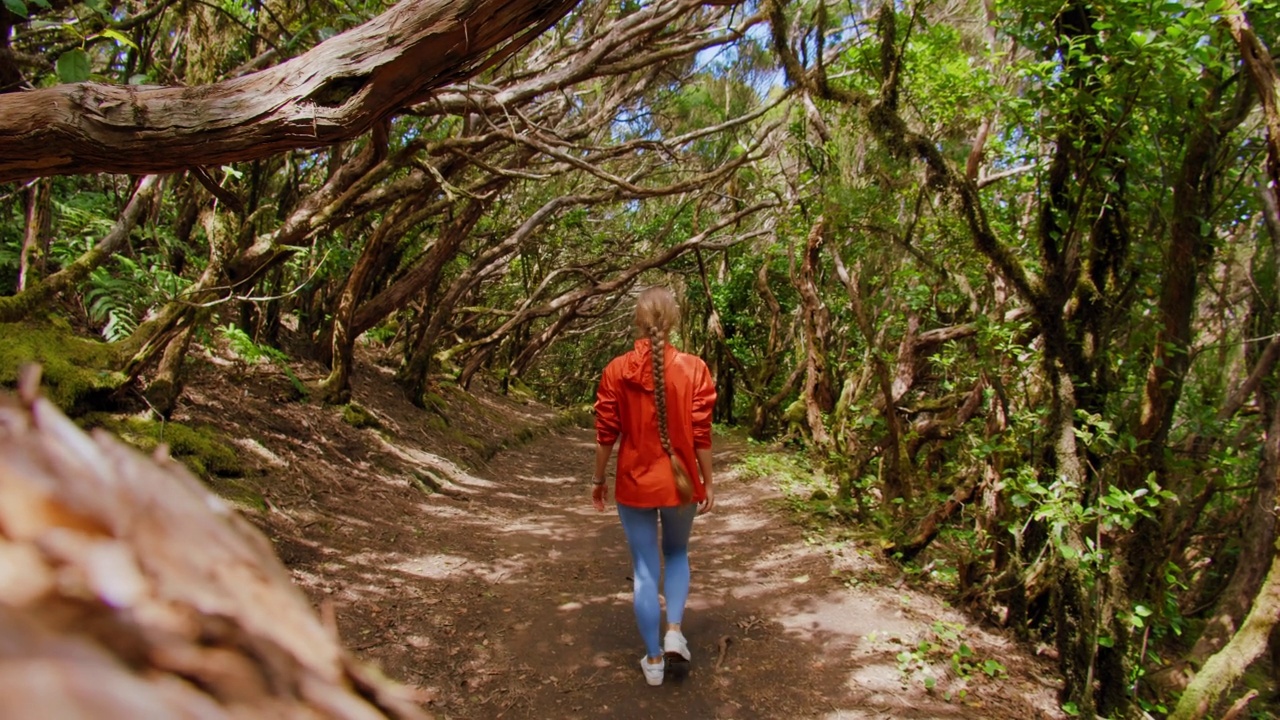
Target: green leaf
73, 66
119, 37
1106, 641
17, 7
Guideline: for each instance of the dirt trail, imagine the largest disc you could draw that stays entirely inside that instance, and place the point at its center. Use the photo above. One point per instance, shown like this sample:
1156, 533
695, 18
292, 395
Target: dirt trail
553, 601
512, 598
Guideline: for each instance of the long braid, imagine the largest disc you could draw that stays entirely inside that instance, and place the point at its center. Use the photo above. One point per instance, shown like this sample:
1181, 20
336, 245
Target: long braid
684, 485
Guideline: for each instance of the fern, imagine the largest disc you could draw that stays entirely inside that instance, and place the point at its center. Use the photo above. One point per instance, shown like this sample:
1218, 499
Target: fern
244, 347
126, 290
248, 350
109, 300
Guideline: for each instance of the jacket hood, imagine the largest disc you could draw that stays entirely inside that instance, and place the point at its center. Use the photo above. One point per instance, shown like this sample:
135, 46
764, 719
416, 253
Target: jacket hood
637, 367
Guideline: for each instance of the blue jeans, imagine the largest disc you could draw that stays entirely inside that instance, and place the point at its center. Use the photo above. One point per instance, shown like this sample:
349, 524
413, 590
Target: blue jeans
641, 528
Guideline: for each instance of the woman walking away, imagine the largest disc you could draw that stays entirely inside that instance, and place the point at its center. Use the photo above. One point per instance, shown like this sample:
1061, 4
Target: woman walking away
658, 401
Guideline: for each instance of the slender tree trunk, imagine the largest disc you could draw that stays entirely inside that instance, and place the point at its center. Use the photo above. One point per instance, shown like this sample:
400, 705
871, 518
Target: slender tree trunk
39, 200
166, 387
891, 458
336, 388
818, 395
763, 406
1075, 607
152, 338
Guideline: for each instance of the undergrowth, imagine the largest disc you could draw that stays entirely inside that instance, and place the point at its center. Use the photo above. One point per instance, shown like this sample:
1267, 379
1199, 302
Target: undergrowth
243, 346
809, 493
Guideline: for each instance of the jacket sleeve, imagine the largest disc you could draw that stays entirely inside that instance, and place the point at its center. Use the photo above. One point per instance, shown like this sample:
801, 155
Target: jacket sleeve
608, 423
704, 402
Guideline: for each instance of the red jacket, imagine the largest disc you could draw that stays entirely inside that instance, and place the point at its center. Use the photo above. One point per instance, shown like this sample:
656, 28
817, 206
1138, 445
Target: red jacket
625, 408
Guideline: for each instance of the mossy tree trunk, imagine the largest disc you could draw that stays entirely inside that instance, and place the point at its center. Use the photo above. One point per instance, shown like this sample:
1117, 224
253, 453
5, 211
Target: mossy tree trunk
1228, 665
35, 236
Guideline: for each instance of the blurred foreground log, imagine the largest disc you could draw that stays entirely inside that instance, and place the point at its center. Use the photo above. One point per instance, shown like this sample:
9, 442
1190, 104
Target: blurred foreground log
128, 590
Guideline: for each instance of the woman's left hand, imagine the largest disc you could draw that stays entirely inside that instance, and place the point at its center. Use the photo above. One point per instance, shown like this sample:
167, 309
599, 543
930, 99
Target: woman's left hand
599, 494
708, 502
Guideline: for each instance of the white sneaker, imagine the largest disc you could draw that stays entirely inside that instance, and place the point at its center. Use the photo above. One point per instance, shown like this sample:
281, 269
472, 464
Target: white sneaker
675, 644
653, 673
676, 652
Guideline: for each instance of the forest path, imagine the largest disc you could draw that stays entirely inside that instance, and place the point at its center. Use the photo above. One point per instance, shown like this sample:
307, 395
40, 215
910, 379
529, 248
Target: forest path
510, 596
519, 605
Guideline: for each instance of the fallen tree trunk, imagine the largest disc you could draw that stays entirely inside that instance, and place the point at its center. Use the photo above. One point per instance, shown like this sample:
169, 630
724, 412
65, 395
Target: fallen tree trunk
335, 91
128, 590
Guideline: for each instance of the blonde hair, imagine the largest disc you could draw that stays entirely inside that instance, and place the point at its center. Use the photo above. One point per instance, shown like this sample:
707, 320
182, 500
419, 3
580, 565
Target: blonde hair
656, 314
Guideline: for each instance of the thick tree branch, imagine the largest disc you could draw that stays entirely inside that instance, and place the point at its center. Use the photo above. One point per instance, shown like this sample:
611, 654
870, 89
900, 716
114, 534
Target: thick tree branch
333, 92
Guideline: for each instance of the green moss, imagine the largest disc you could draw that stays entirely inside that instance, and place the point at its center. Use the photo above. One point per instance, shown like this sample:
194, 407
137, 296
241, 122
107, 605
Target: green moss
795, 412
470, 441
241, 492
435, 403
358, 417
518, 390
200, 448
77, 372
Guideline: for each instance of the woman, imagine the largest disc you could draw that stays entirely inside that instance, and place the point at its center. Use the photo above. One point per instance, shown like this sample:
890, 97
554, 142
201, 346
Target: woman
665, 429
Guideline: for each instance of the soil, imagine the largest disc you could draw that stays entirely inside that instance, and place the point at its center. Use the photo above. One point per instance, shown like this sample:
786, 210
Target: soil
505, 595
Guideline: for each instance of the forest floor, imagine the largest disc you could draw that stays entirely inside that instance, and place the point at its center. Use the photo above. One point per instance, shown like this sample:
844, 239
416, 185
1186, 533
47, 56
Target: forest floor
508, 596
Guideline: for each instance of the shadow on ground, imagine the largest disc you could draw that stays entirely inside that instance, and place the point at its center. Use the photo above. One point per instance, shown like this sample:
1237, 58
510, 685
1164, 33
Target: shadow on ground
516, 603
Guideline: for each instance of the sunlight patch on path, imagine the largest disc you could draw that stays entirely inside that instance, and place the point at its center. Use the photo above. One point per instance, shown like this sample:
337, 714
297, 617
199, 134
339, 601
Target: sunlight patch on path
257, 448
444, 566
840, 617
557, 480
431, 461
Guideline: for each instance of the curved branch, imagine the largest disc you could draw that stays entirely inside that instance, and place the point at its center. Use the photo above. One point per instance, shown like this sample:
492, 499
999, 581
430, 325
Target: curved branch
333, 92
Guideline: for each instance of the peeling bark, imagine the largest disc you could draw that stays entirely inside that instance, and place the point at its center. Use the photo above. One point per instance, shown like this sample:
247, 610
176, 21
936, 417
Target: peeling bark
818, 395
137, 593
334, 92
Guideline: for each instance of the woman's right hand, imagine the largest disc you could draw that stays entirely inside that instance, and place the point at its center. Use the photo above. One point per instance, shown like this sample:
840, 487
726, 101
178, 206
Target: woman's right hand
599, 494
